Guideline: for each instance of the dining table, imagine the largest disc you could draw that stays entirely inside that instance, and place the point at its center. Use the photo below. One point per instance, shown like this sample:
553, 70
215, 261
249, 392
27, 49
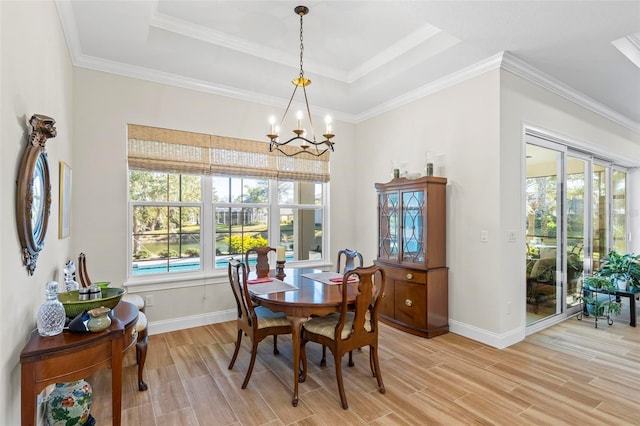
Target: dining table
300, 293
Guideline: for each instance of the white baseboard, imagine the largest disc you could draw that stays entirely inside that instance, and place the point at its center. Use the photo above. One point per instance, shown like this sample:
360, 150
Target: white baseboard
173, 324
499, 341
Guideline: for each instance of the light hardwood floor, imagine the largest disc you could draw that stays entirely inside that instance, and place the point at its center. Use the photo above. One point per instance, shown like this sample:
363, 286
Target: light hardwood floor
571, 373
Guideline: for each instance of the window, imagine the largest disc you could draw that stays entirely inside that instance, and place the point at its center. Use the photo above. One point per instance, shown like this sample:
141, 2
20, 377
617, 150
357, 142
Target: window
166, 216
196, 200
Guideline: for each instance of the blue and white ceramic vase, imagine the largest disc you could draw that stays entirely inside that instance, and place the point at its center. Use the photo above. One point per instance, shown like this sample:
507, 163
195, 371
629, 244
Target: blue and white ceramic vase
69, 404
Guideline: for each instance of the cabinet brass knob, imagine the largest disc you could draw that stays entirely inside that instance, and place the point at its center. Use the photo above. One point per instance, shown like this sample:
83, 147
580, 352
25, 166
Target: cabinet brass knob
408, 302
409, 276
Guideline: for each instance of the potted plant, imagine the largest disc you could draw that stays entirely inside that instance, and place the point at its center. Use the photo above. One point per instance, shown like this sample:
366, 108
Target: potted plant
622, 269
606, 304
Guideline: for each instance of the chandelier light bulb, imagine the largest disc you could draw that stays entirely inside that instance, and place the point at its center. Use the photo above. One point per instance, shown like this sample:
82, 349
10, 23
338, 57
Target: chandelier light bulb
327, 122
272, 122
299, 117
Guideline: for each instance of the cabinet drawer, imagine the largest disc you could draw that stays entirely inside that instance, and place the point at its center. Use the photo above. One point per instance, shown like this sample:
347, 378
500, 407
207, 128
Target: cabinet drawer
408, 275
410, 304
130, 336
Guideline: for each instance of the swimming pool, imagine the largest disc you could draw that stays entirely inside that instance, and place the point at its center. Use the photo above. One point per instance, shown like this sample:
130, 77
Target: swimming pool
182, 265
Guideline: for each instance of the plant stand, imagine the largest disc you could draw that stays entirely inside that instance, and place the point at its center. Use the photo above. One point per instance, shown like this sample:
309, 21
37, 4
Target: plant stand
591, 304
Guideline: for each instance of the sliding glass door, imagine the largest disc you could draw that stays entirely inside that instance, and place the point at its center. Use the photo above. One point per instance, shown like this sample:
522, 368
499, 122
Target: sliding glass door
576, 213
578, 224
545, 169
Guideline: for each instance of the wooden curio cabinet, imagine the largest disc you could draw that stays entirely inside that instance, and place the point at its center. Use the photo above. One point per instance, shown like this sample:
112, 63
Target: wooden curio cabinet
412, 252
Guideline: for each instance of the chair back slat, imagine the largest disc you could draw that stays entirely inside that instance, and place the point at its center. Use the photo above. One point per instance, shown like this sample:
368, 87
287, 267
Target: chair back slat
368, 294
238, 280
262, 263
85, 281
350, 257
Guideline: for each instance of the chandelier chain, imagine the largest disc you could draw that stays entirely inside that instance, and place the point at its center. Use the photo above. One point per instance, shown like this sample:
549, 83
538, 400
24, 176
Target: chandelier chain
301, 48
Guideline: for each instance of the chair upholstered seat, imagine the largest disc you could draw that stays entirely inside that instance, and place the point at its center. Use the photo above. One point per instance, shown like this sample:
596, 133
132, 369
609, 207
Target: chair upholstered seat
326, 325
136, 299
267, 318
141, 325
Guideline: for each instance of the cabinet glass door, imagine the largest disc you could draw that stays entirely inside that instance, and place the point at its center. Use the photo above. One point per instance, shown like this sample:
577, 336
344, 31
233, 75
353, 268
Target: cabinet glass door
412, 227
389, 226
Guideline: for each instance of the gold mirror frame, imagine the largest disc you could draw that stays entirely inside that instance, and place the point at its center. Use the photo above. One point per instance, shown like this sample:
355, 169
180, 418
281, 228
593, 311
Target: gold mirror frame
33, 195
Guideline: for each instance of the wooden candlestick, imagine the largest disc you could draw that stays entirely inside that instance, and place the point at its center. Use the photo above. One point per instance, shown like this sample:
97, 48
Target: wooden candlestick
280, 269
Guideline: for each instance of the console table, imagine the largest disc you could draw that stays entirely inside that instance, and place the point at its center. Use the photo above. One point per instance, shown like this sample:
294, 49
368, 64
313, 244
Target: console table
73, 356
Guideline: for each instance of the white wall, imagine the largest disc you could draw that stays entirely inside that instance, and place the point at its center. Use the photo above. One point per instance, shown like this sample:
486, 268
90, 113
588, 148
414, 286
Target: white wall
105, 103
477, 126
36, 78
461, 125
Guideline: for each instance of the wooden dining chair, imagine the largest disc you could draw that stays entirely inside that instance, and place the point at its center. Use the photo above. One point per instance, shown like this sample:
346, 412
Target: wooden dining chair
347, 330
262, 263
257, 322
350, 257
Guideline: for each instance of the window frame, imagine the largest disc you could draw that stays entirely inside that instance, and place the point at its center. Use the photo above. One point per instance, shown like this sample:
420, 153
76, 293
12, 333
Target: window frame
207, 231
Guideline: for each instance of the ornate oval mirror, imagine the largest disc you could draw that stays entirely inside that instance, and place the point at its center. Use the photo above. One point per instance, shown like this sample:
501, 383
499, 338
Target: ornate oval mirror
33, 196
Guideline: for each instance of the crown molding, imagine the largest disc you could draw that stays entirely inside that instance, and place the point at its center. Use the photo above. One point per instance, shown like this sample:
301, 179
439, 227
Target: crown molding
217, 38
517, 66
509, 62
69, 28
126, 70
457, 77
504, 60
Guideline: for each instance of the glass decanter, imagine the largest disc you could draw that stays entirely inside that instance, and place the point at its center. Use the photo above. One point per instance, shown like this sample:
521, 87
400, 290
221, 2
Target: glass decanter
51, 316
69, 282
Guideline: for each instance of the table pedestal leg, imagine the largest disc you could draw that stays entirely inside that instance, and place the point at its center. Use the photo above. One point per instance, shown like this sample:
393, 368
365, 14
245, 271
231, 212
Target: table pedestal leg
296, 326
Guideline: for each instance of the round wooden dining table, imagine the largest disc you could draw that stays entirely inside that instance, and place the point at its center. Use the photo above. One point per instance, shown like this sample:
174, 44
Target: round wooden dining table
312, 297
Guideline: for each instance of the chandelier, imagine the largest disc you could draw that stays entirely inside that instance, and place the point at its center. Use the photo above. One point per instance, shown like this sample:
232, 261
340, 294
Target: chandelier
302, 141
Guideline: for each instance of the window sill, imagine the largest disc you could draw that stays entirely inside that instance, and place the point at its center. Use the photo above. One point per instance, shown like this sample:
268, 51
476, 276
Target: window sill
175, 281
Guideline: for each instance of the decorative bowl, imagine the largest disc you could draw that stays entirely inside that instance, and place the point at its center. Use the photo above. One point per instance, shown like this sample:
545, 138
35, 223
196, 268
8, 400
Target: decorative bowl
74, 307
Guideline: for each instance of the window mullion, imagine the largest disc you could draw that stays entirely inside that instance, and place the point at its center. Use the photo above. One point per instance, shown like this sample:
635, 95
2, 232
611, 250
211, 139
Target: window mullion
274, 214
207, 226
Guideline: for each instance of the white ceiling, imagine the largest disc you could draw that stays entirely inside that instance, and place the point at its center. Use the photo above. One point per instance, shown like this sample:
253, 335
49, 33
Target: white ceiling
365, 57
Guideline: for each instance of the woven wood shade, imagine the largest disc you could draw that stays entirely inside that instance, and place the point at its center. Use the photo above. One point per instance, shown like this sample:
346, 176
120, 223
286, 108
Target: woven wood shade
176, 151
